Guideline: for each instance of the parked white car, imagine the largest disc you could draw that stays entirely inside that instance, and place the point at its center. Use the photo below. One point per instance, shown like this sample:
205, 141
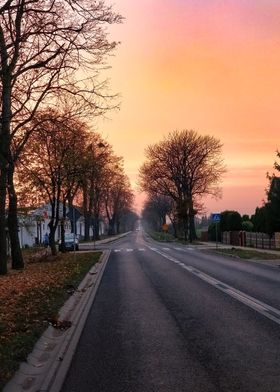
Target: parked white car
71, 242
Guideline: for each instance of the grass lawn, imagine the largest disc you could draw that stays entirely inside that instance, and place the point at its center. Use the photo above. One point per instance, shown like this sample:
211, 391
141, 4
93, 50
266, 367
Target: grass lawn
30, 297
248, 254
161, 236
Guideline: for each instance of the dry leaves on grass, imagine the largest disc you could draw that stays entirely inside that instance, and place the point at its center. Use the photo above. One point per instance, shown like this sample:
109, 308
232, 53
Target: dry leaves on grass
30, 300
22, 292
17, 284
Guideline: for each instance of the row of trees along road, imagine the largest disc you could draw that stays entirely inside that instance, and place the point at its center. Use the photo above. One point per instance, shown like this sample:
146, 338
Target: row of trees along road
266, 218
65, 162
47, 47
177, 173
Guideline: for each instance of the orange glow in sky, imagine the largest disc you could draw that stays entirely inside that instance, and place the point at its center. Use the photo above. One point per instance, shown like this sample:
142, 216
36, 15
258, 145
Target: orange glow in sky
207, 65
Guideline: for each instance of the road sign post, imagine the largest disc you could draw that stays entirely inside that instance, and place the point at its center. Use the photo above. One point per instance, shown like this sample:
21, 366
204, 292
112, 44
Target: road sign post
216, 235
165, 230
216, 218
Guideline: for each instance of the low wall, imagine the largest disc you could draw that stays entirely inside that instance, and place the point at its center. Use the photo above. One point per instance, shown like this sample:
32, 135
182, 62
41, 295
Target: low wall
204, 236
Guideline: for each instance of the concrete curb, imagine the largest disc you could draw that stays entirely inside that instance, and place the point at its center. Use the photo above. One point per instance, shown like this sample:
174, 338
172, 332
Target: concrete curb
104, 241
47, 365
112, 239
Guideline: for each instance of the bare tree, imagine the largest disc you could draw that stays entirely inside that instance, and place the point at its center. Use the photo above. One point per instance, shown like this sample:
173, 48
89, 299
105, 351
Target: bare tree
96, 160
105, 187
118, 196
46, 47
185, 166
50, 163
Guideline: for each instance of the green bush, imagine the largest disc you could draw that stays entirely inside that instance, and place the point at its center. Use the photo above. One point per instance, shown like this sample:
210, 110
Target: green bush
212, 232
247, 226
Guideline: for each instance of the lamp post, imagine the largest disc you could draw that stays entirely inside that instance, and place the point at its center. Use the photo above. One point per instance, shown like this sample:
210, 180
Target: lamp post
94, 233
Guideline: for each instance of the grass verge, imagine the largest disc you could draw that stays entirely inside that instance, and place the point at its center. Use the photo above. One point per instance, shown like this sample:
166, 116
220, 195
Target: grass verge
161, 236
248, 254
167, 237
30, 297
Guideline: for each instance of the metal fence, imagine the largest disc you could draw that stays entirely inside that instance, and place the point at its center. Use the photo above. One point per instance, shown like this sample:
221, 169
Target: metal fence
250, 239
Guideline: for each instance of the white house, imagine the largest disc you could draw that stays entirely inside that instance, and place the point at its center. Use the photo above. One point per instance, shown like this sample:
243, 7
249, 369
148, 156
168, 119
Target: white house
34, 225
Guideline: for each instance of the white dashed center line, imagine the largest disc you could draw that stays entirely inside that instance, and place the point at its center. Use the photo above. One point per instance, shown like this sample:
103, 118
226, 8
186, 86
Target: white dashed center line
259, 306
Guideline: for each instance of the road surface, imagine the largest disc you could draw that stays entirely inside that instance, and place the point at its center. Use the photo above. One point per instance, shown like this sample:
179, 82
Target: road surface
170, 318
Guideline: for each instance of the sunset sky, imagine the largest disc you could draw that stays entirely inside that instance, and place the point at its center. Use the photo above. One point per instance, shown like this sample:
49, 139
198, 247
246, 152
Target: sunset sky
207, 65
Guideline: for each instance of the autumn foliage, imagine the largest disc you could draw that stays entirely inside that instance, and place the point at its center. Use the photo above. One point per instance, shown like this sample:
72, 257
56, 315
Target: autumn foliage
65, 163
30, 300
48, 49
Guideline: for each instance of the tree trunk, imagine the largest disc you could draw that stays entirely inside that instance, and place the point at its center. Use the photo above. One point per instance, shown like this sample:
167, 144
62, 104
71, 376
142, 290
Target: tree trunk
87, 214
111, 221
63, 249
17, 259
193, 235
111, 230
96, 236
174, 225
192, 232
72, 214
87, 217
118, 225
53, 225
186, 227
5, 156
3, 239
52, 238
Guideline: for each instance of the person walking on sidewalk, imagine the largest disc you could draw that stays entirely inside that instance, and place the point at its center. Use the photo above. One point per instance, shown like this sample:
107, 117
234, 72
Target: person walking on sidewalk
46, 240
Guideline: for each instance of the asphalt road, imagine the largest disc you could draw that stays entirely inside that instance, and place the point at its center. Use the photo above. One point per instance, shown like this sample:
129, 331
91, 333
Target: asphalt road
172, 318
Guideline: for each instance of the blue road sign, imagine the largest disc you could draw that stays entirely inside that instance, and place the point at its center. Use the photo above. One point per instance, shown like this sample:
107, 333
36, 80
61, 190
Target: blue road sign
216, 217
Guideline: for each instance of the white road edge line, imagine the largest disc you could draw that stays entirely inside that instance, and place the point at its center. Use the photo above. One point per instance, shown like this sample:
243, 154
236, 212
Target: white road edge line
259, 306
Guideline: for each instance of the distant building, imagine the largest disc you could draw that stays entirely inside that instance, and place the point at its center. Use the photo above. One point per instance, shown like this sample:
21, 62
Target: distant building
33, 224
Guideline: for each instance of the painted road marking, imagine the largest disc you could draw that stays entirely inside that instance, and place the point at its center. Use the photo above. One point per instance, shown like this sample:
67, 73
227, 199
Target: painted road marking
165, 248
129, 250
183, 249
259, 306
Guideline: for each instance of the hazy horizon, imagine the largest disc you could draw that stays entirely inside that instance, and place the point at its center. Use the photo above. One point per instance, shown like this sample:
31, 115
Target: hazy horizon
211, 66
